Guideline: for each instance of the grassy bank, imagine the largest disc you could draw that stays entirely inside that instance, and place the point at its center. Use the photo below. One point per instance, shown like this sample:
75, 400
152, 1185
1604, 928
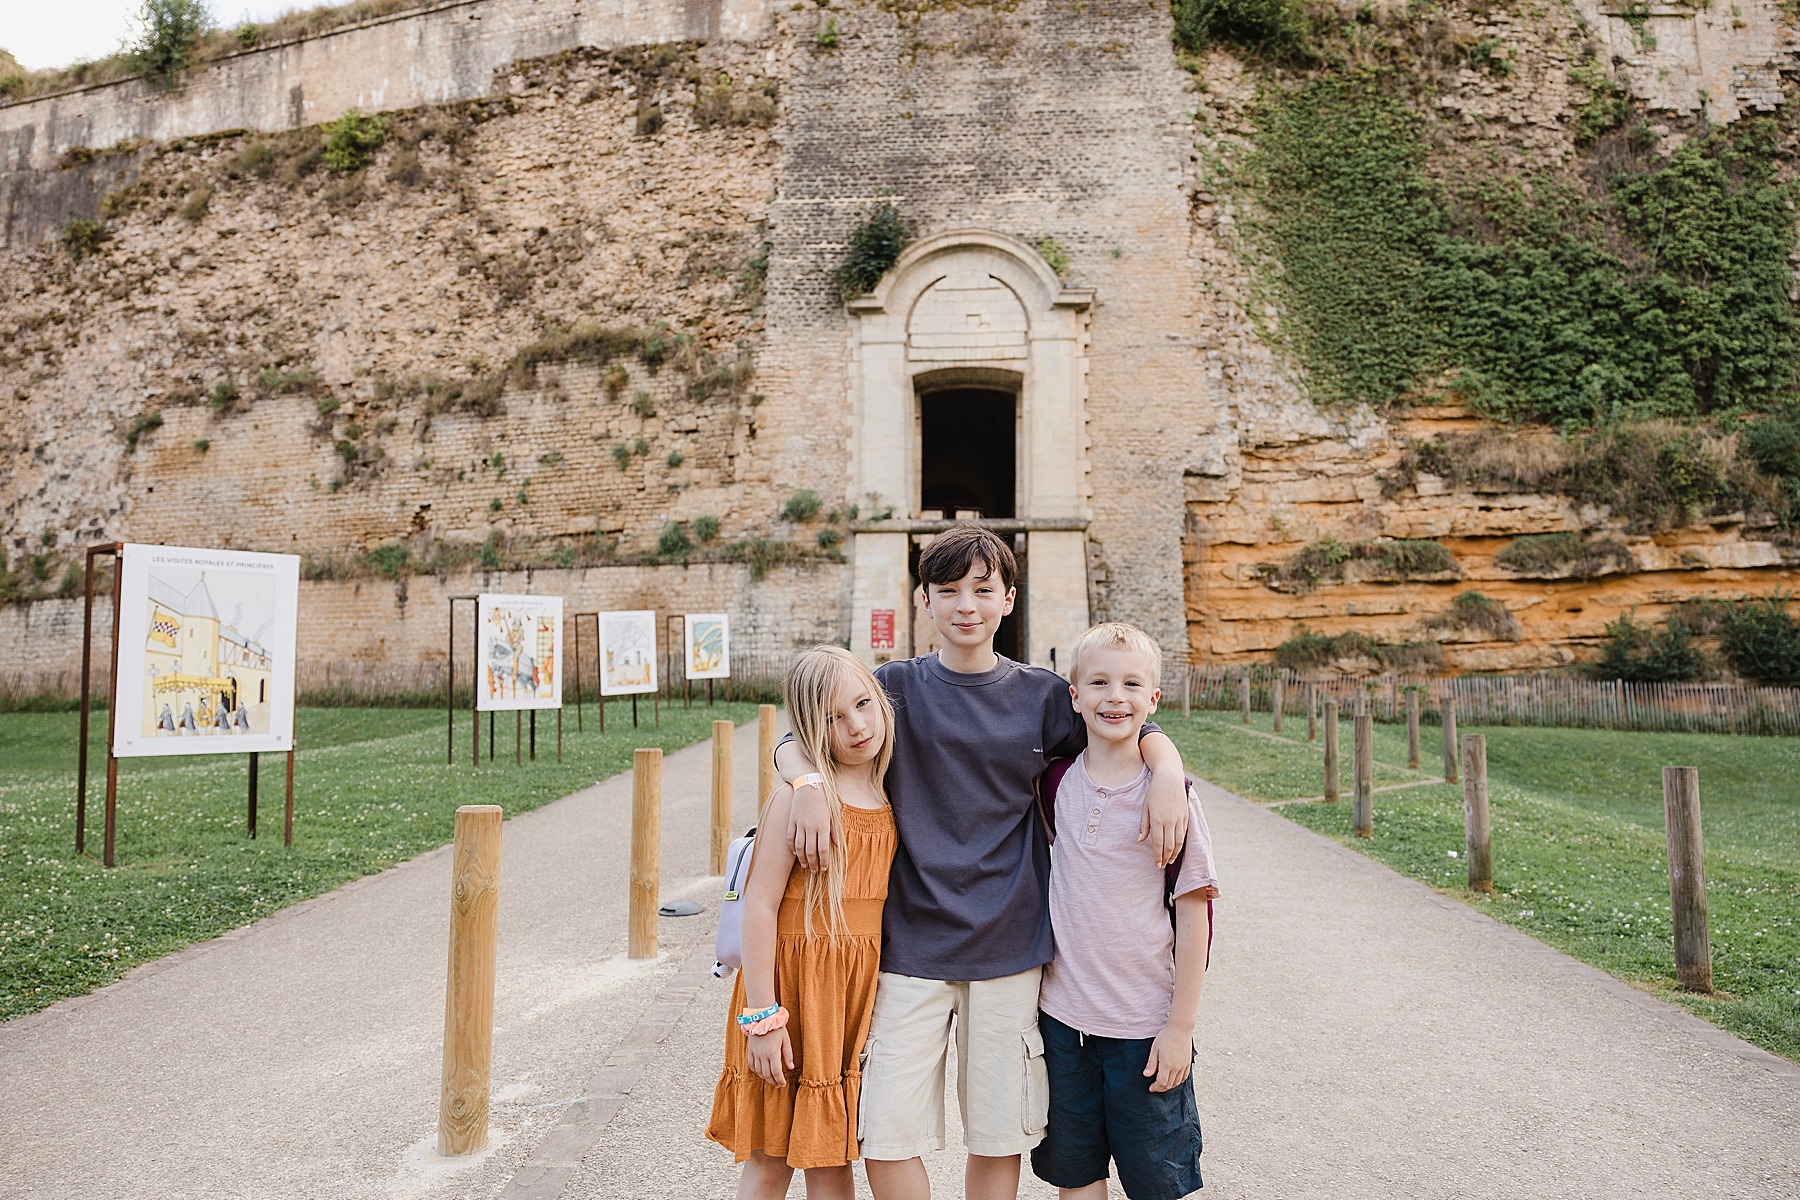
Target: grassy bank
1579, 858
371, 789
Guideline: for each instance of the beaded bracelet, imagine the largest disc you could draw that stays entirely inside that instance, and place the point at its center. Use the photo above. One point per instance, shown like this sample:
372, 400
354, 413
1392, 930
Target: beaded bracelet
769, 1024
750, 1016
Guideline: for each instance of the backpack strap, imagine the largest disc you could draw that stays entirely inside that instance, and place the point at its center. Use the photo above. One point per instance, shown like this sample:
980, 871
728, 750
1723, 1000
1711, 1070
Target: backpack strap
1047, 784
1172, 876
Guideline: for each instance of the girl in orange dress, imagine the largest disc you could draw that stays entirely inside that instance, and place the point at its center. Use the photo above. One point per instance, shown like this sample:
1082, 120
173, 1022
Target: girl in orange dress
787, 1098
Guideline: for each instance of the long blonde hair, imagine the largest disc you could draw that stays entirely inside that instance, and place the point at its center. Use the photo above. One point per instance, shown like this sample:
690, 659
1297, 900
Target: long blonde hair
814, 683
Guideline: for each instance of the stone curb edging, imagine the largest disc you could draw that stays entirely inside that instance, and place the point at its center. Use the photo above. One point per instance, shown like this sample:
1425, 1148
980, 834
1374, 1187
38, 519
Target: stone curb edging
548, 1169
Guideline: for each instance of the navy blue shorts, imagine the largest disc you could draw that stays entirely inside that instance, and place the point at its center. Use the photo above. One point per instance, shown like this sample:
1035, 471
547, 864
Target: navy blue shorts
1101, 1107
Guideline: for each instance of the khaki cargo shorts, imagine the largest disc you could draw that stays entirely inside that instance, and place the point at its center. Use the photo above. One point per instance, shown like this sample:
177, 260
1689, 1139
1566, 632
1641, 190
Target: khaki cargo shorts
1002, 1089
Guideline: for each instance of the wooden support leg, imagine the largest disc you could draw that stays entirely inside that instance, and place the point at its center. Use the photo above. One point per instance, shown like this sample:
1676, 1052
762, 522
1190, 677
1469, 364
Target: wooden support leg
287, 816
255, 762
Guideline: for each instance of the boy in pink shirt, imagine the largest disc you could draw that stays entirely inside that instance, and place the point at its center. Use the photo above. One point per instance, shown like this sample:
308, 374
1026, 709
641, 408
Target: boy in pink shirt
1120, 998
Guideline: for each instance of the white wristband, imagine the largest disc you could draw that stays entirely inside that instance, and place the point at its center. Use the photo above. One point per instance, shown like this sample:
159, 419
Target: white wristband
810, 779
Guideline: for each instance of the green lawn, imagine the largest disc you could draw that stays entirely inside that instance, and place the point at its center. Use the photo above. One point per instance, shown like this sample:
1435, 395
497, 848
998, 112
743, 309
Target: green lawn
371, 789
1579, 858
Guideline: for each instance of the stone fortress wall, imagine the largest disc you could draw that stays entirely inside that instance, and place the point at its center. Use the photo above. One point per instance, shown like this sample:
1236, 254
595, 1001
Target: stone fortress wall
695, 169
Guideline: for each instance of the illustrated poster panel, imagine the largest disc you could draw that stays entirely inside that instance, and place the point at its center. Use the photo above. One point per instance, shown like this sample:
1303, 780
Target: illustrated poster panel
627, 652
518, 652
708, 646
206, 651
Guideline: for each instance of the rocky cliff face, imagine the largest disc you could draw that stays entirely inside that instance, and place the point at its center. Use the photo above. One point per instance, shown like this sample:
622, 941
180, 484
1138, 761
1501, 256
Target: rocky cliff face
1298, 477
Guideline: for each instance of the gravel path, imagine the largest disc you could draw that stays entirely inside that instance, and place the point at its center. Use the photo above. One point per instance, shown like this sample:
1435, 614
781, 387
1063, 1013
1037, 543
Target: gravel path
1360, 1035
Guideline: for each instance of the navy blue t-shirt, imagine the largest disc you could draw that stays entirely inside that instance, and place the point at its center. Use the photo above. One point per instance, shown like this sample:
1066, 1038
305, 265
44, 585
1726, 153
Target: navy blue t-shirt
967, 896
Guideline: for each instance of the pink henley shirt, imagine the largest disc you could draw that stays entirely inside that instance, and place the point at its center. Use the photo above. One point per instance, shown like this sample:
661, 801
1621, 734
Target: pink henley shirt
1114, 970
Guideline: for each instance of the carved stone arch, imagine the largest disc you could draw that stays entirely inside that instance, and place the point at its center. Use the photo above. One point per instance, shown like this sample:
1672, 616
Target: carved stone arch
973, 306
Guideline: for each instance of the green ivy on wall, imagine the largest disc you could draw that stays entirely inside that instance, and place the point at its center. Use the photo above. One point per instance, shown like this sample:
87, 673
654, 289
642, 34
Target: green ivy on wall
1660, 291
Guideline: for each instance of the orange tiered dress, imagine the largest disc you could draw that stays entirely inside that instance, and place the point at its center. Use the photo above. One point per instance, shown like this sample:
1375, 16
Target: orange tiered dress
827, 983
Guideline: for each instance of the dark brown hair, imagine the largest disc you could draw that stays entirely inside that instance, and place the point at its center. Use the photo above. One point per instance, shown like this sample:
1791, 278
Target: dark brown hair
953, 553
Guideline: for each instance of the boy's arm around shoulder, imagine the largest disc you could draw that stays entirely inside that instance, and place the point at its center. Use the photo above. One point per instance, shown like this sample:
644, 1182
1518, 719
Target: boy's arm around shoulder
1165, 819
807, 822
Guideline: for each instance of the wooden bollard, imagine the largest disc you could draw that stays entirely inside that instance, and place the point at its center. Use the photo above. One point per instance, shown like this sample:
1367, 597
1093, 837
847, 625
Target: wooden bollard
721, 795
1312, 713
1331, 752
1280, 694
1362, 815
1412, 729
1687, 879
1187, 687
469, 981
646, 849
765, 752
1477, 829
1244, 695
1449, 709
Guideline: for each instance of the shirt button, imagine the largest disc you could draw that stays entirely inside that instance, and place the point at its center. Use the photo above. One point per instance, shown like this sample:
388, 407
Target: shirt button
1096, 811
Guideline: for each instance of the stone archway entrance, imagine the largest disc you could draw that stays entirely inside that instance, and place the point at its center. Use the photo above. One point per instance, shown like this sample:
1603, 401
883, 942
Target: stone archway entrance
968, 393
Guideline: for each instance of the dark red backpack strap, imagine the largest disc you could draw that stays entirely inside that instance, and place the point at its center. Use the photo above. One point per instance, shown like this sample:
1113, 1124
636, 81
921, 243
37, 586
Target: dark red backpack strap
1048, 782
1171, 877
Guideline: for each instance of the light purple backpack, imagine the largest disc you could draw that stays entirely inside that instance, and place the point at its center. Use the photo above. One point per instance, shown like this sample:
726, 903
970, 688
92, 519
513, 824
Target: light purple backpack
728, 951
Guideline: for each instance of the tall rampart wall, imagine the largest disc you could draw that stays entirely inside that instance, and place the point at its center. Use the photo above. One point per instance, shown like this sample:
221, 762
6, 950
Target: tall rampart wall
579, 308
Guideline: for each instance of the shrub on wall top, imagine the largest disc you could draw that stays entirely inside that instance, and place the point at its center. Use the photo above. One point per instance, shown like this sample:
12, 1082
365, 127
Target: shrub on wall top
169, 31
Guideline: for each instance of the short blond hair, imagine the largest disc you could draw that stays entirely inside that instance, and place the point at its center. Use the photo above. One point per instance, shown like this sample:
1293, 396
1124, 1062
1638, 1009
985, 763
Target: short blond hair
1118, 636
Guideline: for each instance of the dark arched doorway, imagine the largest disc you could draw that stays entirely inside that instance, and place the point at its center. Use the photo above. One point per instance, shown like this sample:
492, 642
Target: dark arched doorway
968, 448
968, 439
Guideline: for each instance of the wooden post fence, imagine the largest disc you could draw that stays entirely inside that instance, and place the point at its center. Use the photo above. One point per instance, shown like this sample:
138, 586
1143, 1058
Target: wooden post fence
1477, 829
1449, 709
1244, 695
1187, 688
765, 753
469, 983
1412, 728
1312, 712
1279, 694
1331, 752
721, 795
1687, 879
646, 849
1363, 811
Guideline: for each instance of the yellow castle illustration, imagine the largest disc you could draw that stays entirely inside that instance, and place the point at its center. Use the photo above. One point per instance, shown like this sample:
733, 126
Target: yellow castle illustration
202, 677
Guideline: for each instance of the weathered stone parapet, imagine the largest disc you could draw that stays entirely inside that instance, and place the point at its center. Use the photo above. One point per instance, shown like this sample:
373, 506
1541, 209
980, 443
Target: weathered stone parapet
450, 52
